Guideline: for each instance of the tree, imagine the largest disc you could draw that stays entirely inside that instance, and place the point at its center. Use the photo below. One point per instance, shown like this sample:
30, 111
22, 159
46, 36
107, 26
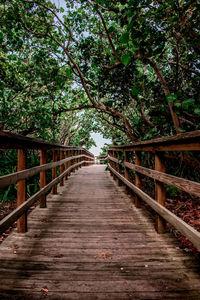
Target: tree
133, 63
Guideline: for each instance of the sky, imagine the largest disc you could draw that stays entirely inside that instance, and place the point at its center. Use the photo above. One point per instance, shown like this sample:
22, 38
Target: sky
100, 141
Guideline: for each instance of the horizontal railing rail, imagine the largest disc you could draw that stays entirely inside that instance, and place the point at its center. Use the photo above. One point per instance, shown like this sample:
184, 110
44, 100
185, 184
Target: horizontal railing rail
121, 169
15, 177
71, 159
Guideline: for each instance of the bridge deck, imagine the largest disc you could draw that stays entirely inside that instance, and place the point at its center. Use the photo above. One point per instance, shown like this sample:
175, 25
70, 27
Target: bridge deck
91, 243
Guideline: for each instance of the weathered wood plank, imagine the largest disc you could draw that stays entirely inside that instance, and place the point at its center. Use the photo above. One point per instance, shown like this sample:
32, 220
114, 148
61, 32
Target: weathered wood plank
21, 191
12, 217
94, 247
182, 184
13, 178
189, 141
188, 231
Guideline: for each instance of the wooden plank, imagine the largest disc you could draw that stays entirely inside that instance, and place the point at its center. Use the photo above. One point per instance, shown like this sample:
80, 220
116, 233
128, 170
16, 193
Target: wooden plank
17, 213
43, 179
21, 191
95, 251
188, 231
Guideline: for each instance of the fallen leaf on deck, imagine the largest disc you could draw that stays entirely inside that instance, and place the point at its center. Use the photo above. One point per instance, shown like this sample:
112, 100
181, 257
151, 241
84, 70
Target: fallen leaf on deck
104, 255
14, 248
186, 277
45, 290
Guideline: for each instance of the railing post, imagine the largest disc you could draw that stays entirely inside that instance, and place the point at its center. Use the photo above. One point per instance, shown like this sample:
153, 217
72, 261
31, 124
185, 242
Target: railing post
21, 191
160, 191
54, 172
62, 167
138, 180
66, 164
111, 163
127, 171
85, 158
80, 152
43, 180
73, 160
77, 160
119, 168
115, 164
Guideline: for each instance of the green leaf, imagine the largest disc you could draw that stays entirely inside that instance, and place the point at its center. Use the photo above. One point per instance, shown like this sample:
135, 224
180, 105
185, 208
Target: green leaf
197, 111
187, 103
126, 58
62, 10
171, 97
177, 104
135, 91
124, 38
68, 72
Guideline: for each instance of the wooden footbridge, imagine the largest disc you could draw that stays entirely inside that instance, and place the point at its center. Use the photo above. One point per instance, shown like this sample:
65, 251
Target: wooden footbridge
91, 237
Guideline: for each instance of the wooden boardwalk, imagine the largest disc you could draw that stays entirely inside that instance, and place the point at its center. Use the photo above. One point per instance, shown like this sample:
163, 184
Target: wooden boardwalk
92, 243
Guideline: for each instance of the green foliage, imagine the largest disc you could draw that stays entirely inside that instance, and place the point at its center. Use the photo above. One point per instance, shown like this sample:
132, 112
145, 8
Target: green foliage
172, 191
39, 80
126, 58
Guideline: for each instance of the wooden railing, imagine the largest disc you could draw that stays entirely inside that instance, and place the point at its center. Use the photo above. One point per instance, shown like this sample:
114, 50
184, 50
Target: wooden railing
121, 170
101, 159
67, 158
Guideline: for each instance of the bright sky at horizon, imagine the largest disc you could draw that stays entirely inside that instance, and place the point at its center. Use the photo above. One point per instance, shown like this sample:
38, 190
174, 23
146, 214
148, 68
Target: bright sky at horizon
100, 141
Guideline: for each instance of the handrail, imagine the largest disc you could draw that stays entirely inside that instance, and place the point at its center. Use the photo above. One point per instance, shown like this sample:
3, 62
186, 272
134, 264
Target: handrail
189, 141
10, 140
71, 158
121, 170
187, 230
20, 210
185, 185
17, 176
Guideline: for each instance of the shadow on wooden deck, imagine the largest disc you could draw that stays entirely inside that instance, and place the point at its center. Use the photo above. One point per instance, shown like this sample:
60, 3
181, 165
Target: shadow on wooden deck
92, 243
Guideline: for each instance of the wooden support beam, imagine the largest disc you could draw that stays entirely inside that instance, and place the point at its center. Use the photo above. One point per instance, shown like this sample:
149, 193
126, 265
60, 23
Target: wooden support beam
62, 167
77, 160
21, 191
54, 172
66, 164
43, 179
73, 160
160, 191
80, 160
120, 170
114, 164
138, 180
127, 171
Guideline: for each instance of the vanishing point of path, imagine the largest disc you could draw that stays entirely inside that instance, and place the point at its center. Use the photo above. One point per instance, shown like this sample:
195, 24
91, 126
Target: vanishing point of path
92, 243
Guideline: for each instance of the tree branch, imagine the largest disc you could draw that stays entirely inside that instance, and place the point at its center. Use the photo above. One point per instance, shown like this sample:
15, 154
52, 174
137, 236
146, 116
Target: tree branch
185, 68
163, 82
73, 109
107, 33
